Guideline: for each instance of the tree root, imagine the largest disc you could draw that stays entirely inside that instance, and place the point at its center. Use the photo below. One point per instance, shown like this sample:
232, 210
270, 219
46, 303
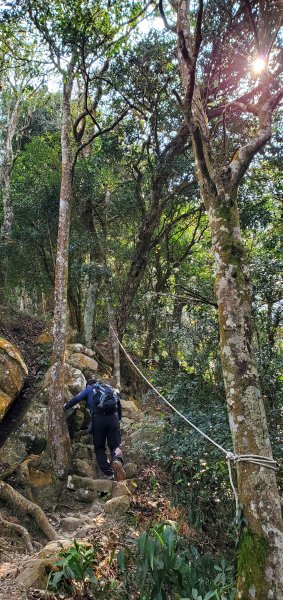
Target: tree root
18, 529
9, 471
23, 473
31, 459
8, 494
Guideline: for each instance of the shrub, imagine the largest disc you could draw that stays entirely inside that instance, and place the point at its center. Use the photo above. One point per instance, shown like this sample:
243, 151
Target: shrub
161, 567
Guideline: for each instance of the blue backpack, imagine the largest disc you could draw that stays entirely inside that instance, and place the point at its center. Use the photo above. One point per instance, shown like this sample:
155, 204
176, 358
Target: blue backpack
107, 401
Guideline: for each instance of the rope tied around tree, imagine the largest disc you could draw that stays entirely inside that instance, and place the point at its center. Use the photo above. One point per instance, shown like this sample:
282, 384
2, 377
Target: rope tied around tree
261, 461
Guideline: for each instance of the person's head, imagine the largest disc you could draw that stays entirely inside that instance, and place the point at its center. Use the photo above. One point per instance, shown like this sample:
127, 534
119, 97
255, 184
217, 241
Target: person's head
91, 382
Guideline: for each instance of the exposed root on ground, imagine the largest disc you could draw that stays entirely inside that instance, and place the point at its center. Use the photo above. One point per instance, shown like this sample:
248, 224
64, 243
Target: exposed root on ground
8, 494
8, 526
9, 471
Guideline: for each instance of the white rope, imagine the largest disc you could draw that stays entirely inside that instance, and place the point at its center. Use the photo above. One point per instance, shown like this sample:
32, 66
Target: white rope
232, 484
171, 405
256, 459
262, 461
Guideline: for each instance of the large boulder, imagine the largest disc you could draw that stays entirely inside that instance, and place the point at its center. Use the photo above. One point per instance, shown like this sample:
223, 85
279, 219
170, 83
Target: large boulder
36, 476
121, 488
78, 349
32, 436
82, 468
86, 364
130, 410
70, 524
76, 482
13, 373
74, 382
79, 366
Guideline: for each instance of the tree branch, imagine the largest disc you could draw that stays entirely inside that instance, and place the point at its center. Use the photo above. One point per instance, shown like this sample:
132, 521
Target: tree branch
197, 43
240, 103
96, 134
253, 24
245, 154
197, 296
164, 19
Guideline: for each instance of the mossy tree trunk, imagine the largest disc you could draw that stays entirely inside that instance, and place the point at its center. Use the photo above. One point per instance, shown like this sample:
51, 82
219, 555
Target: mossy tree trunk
260, 567
260, 559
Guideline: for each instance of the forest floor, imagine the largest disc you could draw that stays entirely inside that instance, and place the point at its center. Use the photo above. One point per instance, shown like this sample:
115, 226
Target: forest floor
151, 502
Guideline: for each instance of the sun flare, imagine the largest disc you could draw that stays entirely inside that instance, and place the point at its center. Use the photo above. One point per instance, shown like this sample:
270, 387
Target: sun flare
258, 65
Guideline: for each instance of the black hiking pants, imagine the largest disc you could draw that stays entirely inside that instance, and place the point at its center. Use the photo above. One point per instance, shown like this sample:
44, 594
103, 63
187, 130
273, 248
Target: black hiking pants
106, 428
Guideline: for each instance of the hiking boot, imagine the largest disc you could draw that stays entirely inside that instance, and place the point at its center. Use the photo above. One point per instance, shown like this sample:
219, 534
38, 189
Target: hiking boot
119, 472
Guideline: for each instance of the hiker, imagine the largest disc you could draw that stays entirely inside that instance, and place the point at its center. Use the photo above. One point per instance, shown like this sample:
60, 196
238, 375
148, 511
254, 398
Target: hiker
104, 405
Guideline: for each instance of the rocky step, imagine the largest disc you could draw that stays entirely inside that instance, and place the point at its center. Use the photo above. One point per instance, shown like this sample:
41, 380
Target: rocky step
78, 526
88, 489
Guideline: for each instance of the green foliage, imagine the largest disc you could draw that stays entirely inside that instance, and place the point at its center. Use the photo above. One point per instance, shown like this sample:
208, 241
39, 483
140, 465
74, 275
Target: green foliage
35, 195
74, 571
200, 481
160, 568
163, 566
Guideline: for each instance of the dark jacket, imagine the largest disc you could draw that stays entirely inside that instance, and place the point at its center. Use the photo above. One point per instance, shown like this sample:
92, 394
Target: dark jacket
92, 398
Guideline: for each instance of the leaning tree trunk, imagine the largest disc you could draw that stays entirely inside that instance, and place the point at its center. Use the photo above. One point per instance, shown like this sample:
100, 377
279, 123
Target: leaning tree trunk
260, 554
138, 266
59, 439
149, 223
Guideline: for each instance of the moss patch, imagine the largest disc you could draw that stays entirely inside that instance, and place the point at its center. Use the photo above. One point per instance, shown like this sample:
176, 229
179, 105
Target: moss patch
252, 557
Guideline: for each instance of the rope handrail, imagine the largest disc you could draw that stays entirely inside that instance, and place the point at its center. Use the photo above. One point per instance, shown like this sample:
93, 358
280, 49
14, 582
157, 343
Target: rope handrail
261, 461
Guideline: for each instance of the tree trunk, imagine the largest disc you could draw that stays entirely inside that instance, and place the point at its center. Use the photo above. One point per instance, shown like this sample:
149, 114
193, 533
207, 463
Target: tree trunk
149, 223
138, 266
260, 558
114, 344
156, 306
5, 230
260, 554
175, 323
150, 332
8, 214
89, 313
59, 439
96, 256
